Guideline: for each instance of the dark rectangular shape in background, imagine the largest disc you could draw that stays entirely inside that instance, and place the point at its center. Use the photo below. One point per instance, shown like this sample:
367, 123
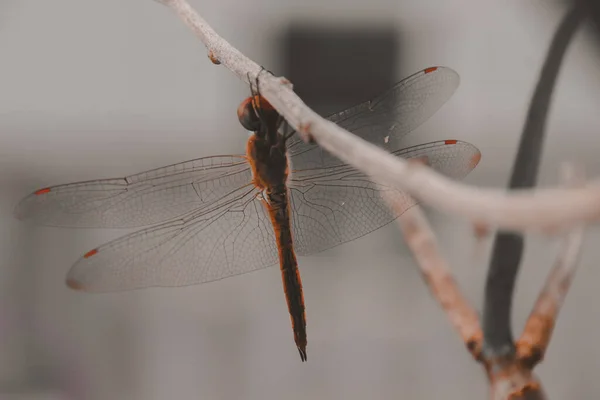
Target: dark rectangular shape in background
333, 68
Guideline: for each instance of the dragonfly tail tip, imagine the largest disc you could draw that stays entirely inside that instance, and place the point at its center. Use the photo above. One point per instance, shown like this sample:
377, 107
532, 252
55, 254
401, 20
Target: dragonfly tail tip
302, 352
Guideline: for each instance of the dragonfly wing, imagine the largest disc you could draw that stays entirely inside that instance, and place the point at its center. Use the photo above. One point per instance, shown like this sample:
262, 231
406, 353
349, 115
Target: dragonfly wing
331, 206
232, 238
137, 200
385, 119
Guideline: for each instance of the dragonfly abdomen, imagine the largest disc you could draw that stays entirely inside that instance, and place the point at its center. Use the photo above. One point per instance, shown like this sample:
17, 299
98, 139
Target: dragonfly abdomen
279, 211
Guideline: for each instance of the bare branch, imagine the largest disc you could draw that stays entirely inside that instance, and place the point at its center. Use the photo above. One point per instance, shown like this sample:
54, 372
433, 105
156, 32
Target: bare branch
549, 209
508, 247
434, 269
535, 339
509, 378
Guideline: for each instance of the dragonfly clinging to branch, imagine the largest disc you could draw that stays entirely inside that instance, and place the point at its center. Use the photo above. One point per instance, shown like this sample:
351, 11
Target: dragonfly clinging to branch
221, 216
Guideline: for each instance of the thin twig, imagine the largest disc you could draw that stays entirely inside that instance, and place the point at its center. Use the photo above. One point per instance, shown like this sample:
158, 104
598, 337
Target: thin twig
436, 274
535, 339
543, 209
509, 378
508, 247
539, 327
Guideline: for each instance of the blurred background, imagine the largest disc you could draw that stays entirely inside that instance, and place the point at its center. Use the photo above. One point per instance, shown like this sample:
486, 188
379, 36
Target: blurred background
97, 89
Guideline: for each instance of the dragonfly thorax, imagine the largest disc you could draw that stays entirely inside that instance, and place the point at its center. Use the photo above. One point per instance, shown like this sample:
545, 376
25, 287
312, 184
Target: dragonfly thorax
269, 162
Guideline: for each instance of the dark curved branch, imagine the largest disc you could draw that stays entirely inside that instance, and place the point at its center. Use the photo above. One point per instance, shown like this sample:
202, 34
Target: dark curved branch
508, 247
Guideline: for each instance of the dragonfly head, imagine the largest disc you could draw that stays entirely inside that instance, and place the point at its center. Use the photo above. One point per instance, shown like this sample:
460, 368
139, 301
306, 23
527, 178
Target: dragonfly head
255, 113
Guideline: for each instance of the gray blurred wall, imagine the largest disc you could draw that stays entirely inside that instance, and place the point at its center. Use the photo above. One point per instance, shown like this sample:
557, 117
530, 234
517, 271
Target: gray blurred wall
92, 89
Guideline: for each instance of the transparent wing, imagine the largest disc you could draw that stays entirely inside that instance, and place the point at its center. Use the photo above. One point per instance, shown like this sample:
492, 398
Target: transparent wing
386, 119
235, 236
165, 193
335, 205
137, 200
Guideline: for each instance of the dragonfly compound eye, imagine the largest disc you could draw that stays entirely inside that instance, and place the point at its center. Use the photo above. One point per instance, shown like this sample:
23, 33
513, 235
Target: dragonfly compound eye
247, 115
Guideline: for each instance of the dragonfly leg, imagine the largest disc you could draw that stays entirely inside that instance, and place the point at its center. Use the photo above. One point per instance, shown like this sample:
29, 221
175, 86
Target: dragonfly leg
252, 92
264, 69
260, 196
259, 110
257, 83
256, 107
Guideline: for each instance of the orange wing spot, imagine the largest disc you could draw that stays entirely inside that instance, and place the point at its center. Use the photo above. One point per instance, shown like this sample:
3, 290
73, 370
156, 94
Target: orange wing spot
42, 191
475, 160
75, 285
450, 141
430, 69
90, 253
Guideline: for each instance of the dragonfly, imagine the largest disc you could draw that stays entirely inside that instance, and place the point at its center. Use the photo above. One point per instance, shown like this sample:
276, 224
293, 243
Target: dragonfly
221, 216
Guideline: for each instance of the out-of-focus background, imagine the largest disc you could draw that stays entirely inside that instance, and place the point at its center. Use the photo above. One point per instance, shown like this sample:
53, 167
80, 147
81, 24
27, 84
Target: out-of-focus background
96, 89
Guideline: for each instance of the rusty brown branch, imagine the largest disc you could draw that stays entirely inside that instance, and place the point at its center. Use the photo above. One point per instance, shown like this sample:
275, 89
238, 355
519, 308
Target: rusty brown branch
536, 335
437, 276
514, 382
509, 379
511, 376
